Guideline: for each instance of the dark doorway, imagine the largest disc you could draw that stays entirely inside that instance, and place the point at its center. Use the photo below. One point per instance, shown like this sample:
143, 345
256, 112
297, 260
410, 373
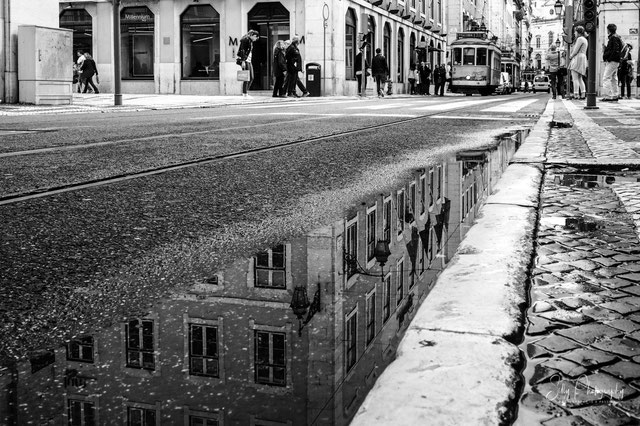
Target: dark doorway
271, 20
79, 21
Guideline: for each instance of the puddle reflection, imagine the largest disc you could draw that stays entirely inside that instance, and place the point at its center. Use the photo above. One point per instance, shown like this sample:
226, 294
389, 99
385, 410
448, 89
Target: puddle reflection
295, 335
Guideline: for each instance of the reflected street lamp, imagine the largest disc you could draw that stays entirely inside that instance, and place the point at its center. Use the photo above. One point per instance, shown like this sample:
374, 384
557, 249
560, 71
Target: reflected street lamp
558, 7
558, 42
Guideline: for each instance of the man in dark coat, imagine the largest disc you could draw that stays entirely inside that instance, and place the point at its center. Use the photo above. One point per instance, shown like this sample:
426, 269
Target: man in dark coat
425, 78
439, 77
294, 66
245, 50
380, 71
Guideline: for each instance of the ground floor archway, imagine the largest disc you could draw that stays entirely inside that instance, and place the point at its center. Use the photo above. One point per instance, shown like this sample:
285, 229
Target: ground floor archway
271, 20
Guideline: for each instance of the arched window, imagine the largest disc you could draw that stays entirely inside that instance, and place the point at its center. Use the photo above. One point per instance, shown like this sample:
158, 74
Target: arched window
400, 77
137, 47
439, 54
538, 42
431, 53
79, 21
349, 43
200, 32
386, 42
538, 61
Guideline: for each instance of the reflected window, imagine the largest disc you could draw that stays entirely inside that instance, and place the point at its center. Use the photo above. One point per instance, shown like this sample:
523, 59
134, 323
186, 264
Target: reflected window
270, 358
371, 317
350, 43
203, 350
386, 220
137, 416
432, 184
386, 298
401, 208
371, 234
200, 31
420, 258
423, 194
81, 413
440, 178
140, 344
351, 248
137, 47
270, 268
202, 421
400, 282
80, 349
351, 337
411, 207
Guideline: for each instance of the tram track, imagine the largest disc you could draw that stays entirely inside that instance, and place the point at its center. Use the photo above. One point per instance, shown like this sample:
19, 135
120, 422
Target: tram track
77, 186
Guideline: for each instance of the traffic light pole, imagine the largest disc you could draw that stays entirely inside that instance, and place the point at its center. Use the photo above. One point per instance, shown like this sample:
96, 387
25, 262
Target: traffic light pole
591, 73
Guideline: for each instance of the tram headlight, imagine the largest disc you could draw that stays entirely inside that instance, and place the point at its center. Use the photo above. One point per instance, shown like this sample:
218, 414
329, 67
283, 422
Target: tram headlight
468, 77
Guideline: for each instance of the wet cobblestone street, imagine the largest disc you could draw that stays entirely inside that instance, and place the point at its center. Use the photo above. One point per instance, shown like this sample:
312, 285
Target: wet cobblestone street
582, 338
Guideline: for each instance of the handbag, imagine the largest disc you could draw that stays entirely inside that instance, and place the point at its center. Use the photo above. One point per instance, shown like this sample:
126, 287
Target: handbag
244, 75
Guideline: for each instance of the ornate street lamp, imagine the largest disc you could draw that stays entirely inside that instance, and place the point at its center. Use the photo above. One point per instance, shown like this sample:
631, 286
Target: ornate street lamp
301, 306
558, 7
381, 252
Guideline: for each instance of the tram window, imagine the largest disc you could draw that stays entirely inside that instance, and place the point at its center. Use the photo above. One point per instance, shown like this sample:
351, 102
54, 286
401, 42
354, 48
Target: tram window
457, 56
468, 56
481, 57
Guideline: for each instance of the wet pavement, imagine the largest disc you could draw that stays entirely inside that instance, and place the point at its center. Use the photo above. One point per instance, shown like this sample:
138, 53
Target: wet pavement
582, 341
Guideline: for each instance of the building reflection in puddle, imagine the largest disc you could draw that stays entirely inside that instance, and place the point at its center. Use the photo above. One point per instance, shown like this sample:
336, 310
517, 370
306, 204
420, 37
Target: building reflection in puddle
295, 335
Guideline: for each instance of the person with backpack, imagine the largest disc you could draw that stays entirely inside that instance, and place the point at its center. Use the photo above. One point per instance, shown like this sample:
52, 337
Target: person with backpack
625, 71
611, 57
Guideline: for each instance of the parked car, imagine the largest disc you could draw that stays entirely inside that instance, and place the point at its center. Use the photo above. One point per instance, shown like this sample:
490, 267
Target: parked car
541, 83
505, 87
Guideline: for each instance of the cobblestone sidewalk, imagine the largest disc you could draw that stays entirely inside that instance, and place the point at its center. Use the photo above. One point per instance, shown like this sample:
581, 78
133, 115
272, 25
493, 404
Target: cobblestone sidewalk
582, 340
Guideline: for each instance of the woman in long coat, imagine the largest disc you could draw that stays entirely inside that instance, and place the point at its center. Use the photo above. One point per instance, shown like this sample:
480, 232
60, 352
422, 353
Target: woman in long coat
279, 70
578, 63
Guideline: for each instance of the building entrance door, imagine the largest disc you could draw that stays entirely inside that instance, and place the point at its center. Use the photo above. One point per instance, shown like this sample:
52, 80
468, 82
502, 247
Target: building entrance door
271, 20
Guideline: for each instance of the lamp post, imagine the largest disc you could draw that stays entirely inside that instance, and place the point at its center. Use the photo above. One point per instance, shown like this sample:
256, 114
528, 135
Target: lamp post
117, 95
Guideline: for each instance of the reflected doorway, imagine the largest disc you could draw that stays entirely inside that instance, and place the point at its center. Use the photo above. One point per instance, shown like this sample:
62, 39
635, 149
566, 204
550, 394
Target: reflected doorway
271, 20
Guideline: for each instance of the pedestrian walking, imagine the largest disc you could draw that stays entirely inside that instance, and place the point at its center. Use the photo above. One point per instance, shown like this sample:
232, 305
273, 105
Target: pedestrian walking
78, 66
449, 76
279, 70
553, 61
412, 79
625, 71
89, 69
578, 63
359, 71
611, 57
439, 78
380, 71
294, 67
562, 73
243, 59
425, 79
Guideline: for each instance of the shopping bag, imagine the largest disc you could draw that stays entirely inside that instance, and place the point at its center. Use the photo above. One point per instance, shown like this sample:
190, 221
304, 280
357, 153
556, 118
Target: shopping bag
243, 75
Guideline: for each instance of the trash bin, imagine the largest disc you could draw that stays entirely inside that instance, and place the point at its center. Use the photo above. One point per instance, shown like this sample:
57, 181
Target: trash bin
314, 79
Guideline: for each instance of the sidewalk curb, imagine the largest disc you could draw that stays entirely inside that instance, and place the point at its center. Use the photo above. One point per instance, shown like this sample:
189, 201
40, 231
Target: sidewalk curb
461, 352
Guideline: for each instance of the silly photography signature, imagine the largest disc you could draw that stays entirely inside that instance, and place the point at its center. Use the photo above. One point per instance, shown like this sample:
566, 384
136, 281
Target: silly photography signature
580, 391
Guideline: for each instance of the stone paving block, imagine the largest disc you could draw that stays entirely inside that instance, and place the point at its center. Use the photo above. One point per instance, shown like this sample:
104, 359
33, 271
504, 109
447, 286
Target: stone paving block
558, 267
633, 267
605, 252
589, 358
571, 256
544, 408
634, 290
626, 370
567, 421
630, 406
543, 374
605, 261
605, 415
625, 325
539, 326
635, 335
574, 303
635, 277
589, 333
634, 317
568, 393
535, 351
568, 368
545, 260
552, 248
609, 272
619, 346
614, 294
605, 384
631, 300
565, 316
555, 343
621, 307
585, 265
627, 258
570, 289
601, 314
614, 283
542, 306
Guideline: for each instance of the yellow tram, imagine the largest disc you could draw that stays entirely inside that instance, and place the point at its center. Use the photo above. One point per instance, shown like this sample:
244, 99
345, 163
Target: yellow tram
475, 63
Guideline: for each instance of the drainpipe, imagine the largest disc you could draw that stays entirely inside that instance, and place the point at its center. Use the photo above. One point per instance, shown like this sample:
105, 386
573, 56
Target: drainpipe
6, 29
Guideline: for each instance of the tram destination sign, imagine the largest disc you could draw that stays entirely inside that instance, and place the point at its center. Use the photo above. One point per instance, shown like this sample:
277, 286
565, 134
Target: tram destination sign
482, 35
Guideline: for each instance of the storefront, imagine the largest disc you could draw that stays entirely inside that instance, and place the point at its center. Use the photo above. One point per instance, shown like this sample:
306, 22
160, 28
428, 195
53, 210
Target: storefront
188, 47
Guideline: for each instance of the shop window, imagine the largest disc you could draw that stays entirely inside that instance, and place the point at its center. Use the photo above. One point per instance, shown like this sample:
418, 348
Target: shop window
350, 43
137, 46
80, 22
200, 32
